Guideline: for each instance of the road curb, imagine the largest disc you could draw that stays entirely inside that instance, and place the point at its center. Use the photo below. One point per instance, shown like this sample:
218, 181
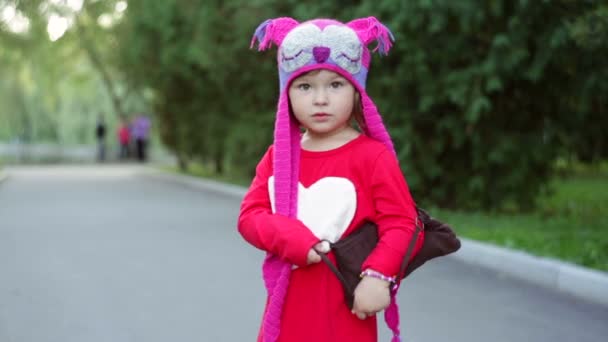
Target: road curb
550, 273
195, 182
3, 176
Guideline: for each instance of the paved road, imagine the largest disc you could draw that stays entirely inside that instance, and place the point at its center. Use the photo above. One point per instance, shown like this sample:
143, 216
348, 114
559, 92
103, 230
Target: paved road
102, 254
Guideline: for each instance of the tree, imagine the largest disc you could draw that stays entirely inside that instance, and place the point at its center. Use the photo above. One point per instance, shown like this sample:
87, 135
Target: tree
478, 95
481, 97
51, 91
585, 138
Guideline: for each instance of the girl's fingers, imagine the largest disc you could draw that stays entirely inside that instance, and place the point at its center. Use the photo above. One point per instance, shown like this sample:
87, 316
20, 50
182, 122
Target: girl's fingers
313, 257
322, 247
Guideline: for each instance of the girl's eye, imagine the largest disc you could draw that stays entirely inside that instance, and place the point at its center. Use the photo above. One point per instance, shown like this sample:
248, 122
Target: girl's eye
303, 86
337, 84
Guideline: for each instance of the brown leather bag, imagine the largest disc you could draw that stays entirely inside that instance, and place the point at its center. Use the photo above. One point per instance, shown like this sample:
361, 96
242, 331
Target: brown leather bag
351, 251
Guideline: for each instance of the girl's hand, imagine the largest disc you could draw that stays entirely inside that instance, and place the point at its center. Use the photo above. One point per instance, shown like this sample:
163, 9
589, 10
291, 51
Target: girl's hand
313, 254
371, 296
313, 257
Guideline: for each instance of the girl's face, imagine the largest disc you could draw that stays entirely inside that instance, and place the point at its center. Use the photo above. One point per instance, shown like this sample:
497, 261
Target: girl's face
322, 101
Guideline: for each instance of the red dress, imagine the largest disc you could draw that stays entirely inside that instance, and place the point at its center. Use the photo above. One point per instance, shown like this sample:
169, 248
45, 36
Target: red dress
339, 189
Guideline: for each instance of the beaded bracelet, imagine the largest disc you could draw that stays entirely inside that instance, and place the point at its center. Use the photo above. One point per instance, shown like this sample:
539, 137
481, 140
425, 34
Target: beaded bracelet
377, 275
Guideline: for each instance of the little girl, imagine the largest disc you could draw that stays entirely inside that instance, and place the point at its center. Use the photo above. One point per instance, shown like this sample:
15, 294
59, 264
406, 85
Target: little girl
324, 183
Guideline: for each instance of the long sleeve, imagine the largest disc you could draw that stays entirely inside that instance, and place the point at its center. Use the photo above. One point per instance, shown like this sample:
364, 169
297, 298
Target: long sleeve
285, 237
395, 215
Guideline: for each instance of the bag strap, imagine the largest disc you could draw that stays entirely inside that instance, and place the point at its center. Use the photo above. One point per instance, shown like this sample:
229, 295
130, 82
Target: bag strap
406, 259
335, 270
410, 247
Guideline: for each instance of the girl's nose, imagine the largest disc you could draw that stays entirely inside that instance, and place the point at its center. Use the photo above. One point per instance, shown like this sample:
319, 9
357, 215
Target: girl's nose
320, 97
321, 53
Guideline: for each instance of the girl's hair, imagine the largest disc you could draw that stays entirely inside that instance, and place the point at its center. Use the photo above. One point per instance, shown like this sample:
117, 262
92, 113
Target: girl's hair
357, 114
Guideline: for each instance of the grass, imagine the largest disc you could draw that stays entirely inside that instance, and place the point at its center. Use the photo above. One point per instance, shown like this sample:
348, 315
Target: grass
570, 224
203, 171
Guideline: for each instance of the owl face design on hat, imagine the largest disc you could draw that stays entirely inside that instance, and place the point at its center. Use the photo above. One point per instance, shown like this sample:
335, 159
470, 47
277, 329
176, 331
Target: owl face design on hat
323, 44
309, 43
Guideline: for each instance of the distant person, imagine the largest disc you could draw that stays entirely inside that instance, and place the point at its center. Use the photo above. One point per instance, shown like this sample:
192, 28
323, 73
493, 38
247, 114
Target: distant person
100, 133
124, 138
141, 132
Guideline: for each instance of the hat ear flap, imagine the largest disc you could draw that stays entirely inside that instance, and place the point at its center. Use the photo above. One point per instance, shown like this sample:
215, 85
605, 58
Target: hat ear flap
369, 30
273, 31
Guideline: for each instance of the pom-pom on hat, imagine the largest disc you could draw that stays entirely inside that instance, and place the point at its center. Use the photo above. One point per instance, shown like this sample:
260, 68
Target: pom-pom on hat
303, 47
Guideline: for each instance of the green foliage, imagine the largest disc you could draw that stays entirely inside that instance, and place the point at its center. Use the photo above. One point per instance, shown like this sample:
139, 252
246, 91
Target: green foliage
579, 193
249, 138
54, 91
558, 237
480, 96
190, 55
570, 224
590, 33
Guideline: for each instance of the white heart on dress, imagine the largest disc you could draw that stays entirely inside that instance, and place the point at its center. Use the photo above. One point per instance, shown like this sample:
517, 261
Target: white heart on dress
327, 207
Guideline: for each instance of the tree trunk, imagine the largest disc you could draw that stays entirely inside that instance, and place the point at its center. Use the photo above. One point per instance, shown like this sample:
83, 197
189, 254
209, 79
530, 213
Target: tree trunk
98, 64
182, 162
218, 160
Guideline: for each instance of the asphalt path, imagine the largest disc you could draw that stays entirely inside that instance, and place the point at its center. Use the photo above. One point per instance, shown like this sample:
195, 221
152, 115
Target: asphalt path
92, 254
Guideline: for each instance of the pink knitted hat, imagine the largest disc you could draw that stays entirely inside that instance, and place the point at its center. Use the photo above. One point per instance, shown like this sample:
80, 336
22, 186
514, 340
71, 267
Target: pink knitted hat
303, 47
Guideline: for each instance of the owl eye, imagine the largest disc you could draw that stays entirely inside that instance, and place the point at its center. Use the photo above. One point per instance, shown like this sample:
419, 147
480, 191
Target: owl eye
352, 64
291, 62
349, 62
296, 49
346, 48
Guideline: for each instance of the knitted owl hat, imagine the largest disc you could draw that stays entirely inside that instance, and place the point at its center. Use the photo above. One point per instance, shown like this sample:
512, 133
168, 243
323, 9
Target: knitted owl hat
303, 47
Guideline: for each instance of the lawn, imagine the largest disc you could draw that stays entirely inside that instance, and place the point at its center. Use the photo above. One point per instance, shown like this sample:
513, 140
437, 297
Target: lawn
571, 224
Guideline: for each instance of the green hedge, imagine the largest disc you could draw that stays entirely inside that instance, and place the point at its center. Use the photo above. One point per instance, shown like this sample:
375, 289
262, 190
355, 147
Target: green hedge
480, 96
